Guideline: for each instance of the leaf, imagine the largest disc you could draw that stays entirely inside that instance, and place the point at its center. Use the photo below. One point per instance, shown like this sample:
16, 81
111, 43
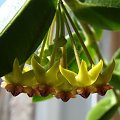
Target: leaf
115, 81
100, 13
40, 98
103, 108
82, 0
109, 114
116, 57
117, 54
25, 31
97, 33
107, 3
117, 67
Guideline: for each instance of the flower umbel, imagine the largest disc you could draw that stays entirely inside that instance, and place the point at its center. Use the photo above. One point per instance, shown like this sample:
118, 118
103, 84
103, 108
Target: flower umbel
50, 73
18, 81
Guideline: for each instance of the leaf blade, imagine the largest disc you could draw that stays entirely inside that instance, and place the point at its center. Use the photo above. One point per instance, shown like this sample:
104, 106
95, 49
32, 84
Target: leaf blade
110, 113
102, 108
25, 33
96, 14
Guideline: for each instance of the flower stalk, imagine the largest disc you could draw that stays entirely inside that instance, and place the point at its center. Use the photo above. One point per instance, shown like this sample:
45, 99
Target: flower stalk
72, 40
56, 39
77, 33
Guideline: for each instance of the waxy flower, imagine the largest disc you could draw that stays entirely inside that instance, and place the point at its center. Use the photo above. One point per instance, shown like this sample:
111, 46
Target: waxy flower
46, 77
17, 77
20, 81
106, 75
51, 77
101, 85
84, 77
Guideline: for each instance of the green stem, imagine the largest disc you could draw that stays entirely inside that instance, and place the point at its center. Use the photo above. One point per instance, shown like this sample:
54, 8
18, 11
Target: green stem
64, 58
62, 30
56, 39
62, 34
52, 31
90, 36
42, 47
78, 35
72, 40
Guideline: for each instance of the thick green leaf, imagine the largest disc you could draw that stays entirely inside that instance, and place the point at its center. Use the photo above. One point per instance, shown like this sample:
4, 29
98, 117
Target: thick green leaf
107, 3
115, 81
100, 13
40, 98
117, 54
116, 57
103, 108
97, 33
117, 67
24, 33
109, 114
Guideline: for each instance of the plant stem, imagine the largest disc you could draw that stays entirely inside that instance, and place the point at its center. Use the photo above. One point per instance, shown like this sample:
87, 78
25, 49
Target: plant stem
62, 30
56, 39
62, 34
78, 35
64, 59
52, 30
42, 47
72, 40
89, 34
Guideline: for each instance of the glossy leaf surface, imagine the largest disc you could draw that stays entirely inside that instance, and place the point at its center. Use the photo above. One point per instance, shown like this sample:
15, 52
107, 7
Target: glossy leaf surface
100, 13
24, 33
103, 108
107, 3
109, 114
117, 67
115, 81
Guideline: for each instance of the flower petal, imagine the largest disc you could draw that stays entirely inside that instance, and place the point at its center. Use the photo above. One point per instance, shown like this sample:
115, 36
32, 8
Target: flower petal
15, 76
65, 85
106, 75
69, 75
29, 79
39, 71
51, 75
83, 78
95, 71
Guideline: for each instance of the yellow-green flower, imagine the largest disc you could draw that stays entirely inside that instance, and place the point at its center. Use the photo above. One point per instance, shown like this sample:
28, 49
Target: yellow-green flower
17, 77
84, 77
101, 85
46, 77
39, 71
65, 85
51, 77
106, 75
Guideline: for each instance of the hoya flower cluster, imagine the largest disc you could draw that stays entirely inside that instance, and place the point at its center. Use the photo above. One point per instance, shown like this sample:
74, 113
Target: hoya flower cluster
49, 73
